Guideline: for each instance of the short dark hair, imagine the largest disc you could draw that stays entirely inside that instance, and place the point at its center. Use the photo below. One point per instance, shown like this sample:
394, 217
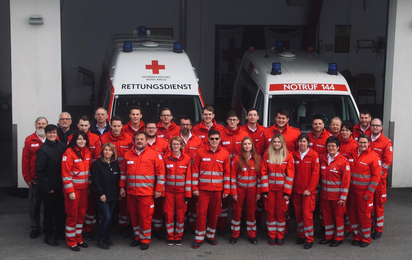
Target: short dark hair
303, 136
316, 117
84, 118
348, 125
364, 136
140, 133
283, 111
252, 109
116, 118
135, 108
50, 128
185, 118
232, 114
208, 107
333, 140
365, 112
213, 132
151, 121
165, 108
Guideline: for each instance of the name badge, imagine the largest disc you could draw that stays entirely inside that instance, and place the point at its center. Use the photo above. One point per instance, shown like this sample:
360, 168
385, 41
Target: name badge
206, 159
219, 161
226, 143
169, 165
130, 162
77, 160
34, 145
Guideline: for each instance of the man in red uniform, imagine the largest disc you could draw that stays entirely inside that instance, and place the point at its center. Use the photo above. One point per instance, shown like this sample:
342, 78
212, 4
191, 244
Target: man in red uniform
335, 127
208, 123
383, 147
135, 124
123, 142
364, 125
142, 178
31, 145
291, 134
252, 127
166, 128
318, 135
210, 176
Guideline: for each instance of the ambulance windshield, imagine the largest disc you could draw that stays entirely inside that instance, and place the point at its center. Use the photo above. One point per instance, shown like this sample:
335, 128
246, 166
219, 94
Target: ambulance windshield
181, 106
303, 107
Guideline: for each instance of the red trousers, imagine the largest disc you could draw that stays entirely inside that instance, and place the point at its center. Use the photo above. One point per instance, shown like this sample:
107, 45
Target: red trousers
75, 211
276, 207
123, 216
157, 220
247, 196
379, 199
209, 207
304, 207
360, 216
90, 218
333, 217
175, 202
192, 211
141, 210
222, 222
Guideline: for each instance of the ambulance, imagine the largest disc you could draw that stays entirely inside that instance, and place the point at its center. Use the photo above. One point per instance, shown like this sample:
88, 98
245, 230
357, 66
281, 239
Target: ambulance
297, 81
150, 71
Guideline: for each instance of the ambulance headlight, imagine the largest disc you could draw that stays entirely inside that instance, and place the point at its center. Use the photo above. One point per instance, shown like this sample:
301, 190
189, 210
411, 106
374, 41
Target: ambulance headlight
276, 68
333, 69
142, 30
279, 46
127, 46
177, 47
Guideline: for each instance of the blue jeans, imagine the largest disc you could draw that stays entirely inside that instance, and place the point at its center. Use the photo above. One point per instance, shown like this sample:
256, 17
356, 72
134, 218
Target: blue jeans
106, 212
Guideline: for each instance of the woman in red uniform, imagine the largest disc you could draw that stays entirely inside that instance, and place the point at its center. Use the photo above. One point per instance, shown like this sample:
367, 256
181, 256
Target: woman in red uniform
178, 190
75, 174
306, 177
277, 180
348, 143
245, 188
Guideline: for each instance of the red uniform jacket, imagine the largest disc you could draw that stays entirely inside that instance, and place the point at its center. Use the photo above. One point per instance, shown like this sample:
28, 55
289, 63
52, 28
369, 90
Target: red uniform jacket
123, 143
347, 146
192, 145
178, 174
338, 136
128, 129
94, 144
290, 133
279, 176
245, 179
211, 170
142, 174
160, 145
255, 135
383, 147
357, 131
335, 178
31, 145
366, 171
76, 169
306, 172
167, 134
231, 140
201, 130
318, 144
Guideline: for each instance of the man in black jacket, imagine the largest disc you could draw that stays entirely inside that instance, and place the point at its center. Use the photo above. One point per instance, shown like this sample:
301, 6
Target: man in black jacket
100, 125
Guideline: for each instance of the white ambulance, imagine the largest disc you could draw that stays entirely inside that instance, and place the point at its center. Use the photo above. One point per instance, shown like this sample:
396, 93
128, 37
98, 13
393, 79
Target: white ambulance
296, 81
149, 71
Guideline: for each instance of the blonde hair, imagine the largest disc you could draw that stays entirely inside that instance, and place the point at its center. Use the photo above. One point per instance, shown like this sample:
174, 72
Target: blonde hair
180, 140
277, 157
112, 148
242, 158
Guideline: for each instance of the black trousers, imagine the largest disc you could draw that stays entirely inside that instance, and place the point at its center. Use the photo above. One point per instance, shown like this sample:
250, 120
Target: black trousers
54, 213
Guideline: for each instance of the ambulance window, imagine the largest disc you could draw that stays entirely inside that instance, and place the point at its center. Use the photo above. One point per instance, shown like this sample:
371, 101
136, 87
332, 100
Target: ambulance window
246, 89
259, 106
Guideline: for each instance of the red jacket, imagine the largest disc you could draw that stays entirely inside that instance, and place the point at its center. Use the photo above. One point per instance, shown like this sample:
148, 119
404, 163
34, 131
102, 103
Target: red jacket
123, 143
192, 145
211, 170
245, 179
167, 134
255, 135
31, 145
76, 169
178, 174
201, 130
383, 147
160, 145
318, 144
366, 171
128, 129
347, 146
94, 144
338, 136
279, 176
335, 177
290, 133
231, 140
306, 172
142, 174
357, 131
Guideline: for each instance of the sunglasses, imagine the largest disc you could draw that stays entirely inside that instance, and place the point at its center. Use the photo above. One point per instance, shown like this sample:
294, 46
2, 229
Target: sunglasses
214, 139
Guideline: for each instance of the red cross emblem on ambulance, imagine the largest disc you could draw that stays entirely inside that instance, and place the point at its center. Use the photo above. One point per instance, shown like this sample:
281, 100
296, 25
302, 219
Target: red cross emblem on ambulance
155, 67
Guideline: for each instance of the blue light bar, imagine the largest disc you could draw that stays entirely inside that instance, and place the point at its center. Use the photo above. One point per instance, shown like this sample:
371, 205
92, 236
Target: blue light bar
142, 31
127, 46
276, 68
177, 47
333, 69
279, 46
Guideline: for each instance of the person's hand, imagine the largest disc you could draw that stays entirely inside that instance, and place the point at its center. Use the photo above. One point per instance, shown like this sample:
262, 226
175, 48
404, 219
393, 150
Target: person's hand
52, 191
265, 196
258, 196
286, 197
306, 193
103, 198
72, 196
234, 197
122, 192
196, 193
365, 197
341, 202
224, 195
157, 194
30, 184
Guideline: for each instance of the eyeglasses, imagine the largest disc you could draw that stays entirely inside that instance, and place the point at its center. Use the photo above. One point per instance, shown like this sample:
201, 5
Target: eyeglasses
376, 125
166, 115
214, 138
65, 119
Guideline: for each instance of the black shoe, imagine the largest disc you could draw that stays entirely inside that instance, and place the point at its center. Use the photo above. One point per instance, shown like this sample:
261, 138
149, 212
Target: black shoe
34, 233
196, 245
213, 242
253, 240
178, 242
325, 241
88, 236
363, 244
170, 242
300, 241
135, 243
51, 241
347, 233
308, 245
102, 245
272, 242
144, 246
159, 235
84, 245
335, 243
75, 248
233, 240
280, 242
108, 241
221, 232
355, 242
124, 231
377, 235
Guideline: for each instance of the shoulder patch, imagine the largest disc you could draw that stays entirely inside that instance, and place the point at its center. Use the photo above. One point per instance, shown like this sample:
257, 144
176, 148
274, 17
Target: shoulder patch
64, 158
160, 157
390, 148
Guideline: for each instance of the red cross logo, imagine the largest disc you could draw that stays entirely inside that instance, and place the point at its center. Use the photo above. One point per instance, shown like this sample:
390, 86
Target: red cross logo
232, 54
155, 67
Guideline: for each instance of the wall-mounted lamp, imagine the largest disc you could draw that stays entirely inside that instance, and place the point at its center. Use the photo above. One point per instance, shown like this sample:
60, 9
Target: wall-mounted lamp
36, 19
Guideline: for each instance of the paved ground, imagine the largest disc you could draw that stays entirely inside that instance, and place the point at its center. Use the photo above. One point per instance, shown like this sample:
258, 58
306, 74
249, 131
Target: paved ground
394, 244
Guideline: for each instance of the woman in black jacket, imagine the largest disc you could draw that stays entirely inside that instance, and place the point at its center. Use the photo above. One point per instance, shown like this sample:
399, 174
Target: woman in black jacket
50, 186
105, 184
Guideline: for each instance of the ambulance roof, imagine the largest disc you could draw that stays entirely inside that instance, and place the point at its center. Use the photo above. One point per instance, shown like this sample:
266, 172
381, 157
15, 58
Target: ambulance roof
302, 73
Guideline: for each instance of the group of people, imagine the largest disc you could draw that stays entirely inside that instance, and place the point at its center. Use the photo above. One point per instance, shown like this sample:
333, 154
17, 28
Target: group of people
159, 175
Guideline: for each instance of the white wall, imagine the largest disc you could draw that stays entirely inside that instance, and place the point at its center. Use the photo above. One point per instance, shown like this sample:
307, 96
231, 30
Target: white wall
36, 67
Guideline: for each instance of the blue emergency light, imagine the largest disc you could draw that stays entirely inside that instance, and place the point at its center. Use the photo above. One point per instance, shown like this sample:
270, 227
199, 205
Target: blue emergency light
177, 47
333, 69
142, 31
276, 68
127, 46
279, 46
